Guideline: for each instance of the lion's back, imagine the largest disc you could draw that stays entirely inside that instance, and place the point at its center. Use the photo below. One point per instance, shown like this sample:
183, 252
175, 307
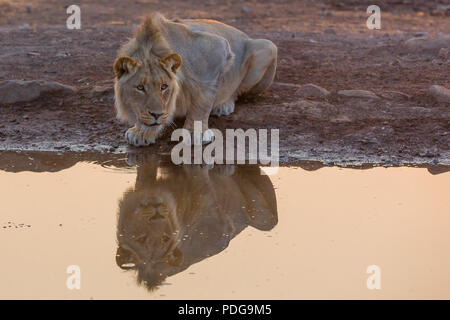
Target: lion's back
235, 37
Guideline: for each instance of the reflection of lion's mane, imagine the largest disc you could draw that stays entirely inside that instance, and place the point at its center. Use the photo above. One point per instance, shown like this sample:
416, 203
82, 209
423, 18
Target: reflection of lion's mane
211, 208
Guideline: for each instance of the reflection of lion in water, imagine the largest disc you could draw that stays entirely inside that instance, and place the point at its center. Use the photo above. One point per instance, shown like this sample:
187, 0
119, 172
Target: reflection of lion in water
179, 215
186, 68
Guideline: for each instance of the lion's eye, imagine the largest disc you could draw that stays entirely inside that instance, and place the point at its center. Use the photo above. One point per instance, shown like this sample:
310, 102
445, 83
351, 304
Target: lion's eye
164, 87
140, 87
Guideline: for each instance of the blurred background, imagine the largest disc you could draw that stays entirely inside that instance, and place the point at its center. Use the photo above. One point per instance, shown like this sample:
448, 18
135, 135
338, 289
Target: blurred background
295, 15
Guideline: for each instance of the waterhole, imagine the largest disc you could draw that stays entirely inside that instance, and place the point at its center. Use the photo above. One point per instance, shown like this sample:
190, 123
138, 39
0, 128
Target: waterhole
142, 228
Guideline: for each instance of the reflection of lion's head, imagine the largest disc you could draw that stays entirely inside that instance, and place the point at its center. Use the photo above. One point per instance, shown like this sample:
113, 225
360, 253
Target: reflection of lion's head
177, 216
146, 85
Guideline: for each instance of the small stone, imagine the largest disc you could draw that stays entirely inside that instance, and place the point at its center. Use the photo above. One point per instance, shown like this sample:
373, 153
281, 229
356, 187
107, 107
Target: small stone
330, 31
245, 9
395, 95
440, 93
100, 90
425, 44
441, 10
438, 62
312, 90
341, 119
62, 54
282, 85
415, 42
12, 91
358, 94
326, 13
443, 54
420, 34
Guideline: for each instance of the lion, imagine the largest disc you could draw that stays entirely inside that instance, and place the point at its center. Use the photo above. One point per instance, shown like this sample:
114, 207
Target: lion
176, 216
186, 68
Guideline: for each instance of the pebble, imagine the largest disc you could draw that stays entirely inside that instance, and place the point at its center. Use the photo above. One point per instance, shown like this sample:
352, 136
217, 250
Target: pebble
283, 85
420, 34
12, 91
443, 53
395, 95
100, 90
441, 10
424, 44
312, 90
440, 93
358, 94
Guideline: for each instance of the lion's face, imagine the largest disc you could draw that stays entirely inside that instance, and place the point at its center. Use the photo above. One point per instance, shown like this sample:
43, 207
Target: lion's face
149, 230
148, 236
146, 91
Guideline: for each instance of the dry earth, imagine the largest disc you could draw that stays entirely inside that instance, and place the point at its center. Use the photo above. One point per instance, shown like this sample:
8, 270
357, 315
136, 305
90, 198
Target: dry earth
322, 43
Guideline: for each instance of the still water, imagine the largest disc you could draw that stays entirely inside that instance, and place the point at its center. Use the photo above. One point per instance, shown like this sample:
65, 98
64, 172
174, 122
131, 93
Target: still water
150, 230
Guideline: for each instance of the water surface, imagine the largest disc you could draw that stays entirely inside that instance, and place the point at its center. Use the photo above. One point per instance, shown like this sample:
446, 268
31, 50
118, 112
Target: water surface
156, 231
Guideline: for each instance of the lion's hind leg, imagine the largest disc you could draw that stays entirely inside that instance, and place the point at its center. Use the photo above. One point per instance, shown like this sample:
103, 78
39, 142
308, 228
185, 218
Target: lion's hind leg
261, 64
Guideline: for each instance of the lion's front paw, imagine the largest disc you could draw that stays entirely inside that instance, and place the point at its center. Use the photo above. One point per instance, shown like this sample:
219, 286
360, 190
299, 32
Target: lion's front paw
140, 137
200, 134
224, 110
203, 138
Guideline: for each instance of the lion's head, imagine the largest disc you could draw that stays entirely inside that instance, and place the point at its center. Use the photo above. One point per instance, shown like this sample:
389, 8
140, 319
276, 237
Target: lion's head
146, 84
152, 253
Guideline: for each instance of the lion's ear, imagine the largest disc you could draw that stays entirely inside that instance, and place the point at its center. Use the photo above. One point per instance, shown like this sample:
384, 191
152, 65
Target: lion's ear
123, 65
172, 61
176, 257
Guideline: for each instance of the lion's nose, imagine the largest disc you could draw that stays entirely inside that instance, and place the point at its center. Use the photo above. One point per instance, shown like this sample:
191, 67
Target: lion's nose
155, 115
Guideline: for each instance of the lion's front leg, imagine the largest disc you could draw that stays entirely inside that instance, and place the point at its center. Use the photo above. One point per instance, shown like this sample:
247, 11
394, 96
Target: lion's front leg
140, 136
198, 126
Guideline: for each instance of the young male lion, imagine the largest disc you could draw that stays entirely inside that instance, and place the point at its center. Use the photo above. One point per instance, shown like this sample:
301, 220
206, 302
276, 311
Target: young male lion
186, 68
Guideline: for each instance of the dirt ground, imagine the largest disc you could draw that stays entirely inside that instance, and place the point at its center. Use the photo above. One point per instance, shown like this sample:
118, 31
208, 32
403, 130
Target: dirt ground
325, 43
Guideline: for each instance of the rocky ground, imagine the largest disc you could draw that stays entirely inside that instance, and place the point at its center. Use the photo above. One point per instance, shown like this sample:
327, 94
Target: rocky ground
343, 94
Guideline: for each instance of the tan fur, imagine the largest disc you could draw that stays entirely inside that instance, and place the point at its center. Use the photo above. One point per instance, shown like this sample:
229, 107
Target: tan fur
205, 64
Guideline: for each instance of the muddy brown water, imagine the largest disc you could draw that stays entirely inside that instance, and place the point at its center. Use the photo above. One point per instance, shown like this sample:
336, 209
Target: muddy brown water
150, 230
